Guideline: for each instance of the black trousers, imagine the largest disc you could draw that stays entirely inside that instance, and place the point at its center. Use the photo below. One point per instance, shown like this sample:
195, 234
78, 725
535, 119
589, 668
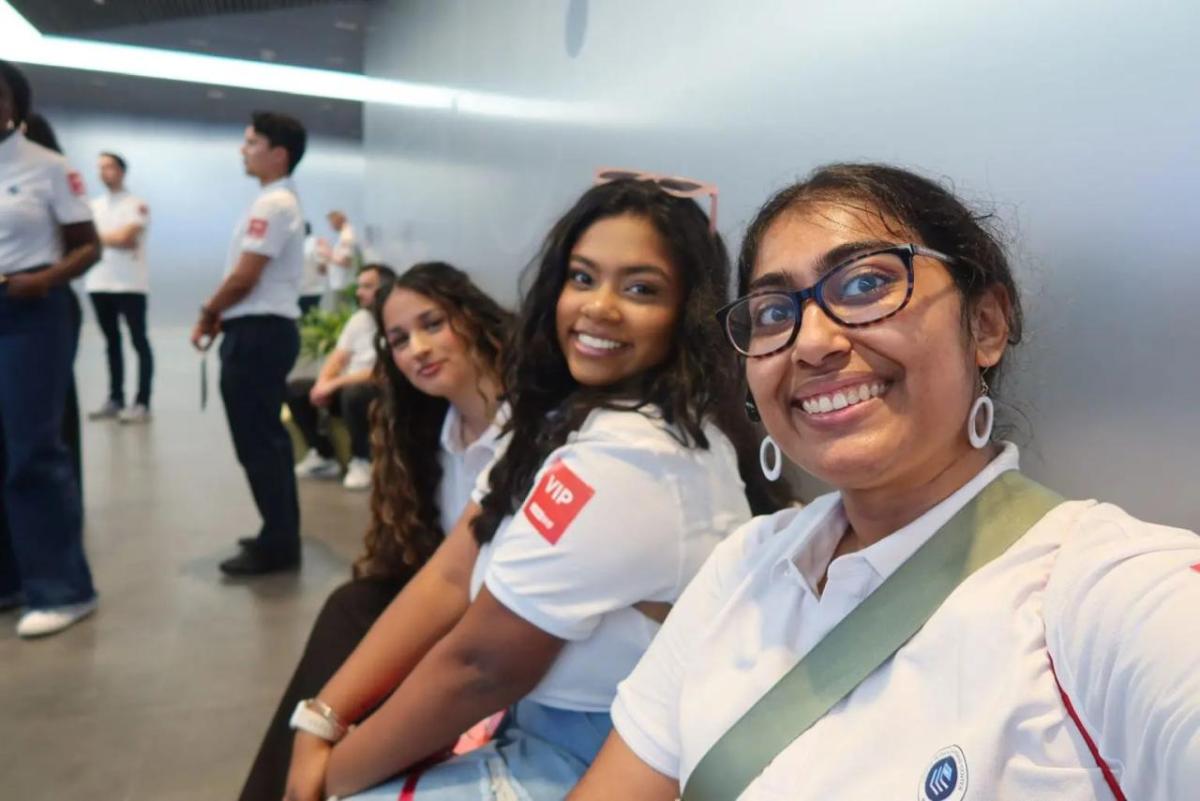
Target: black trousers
352, 404
256, 354
110, 307
348, 614
308, 302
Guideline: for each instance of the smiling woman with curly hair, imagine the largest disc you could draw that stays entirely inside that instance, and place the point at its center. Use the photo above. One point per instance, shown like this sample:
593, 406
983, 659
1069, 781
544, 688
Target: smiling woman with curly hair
434, 427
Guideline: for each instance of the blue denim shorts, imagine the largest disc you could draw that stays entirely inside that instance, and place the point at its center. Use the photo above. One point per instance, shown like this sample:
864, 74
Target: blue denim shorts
538, 754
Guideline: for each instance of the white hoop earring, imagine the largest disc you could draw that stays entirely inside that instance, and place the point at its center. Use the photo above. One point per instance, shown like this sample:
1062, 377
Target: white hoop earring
979, 438
773, 472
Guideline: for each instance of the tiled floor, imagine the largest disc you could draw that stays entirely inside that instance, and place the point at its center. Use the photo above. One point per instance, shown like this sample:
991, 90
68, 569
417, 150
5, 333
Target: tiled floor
164, 693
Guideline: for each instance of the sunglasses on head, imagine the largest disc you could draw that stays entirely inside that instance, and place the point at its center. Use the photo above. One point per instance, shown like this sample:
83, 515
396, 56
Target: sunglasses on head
675, 185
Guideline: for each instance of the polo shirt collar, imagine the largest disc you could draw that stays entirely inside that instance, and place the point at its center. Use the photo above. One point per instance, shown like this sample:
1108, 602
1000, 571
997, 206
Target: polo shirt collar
812, 555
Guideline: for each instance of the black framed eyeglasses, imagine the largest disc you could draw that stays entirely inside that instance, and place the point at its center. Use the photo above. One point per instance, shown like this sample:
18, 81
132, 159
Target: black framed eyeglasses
858, 292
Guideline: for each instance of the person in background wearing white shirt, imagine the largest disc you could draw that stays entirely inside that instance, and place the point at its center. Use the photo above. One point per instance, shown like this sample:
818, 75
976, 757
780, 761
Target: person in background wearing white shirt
46, 239
619, 478
433, 435
875, 316
313, 280
256, 308
344, 386
118, 286
343, 259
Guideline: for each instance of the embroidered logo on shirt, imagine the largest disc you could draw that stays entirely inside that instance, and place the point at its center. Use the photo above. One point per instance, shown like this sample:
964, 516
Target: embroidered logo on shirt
75, 181
257, 227
558, 499
946, 778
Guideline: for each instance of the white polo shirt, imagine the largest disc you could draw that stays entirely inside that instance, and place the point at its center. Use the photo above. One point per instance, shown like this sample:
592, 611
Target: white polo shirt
462, 464
622, 513
38, 193
341, 277
312, 280
358, 339
1113, 599
120, 269
274, 227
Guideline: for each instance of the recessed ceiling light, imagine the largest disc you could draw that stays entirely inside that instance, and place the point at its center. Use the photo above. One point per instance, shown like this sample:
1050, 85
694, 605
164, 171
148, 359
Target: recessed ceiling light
268, 54
196, 41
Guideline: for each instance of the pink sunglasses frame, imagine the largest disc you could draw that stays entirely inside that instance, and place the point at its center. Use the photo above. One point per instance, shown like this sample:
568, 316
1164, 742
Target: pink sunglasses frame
703, 188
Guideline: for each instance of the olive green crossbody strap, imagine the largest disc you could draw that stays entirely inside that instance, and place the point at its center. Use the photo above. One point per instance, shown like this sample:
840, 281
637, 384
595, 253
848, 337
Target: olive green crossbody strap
868, 637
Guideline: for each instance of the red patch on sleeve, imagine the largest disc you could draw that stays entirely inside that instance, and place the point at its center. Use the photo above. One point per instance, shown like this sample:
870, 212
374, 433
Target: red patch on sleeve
257, 227
1196, 567
559, 498
75, 181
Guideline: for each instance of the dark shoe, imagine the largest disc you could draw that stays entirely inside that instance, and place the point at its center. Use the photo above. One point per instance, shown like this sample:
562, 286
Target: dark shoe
253, 563
248, 543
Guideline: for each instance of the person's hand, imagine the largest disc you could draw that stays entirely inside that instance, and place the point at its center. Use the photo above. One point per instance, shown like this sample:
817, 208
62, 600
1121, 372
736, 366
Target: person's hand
322, 393
306, 774
28, 286
206, 330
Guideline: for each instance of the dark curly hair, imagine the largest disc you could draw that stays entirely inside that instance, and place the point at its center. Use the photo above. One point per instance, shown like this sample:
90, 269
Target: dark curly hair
920, 206
406, 423
698, 381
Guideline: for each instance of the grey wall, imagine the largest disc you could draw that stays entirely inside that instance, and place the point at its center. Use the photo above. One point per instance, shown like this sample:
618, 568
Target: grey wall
1077, 121
191, 176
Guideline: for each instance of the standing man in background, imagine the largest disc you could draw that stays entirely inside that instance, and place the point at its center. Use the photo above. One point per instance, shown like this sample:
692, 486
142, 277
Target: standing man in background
118, 285
312, 279
344, 259
256, 309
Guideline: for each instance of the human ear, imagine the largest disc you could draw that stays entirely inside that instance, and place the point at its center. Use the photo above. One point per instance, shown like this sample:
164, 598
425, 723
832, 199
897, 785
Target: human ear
990, 326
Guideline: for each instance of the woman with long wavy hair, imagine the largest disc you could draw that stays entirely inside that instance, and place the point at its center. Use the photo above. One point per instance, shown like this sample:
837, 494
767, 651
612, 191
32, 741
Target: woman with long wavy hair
434, 427
620, 477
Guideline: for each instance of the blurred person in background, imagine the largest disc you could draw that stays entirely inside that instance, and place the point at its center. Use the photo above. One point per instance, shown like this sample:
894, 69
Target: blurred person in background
343, 258
313, 280
118, 286
345, 387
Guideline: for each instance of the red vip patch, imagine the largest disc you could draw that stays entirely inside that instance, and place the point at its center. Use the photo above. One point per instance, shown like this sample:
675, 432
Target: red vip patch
1196, 567
75, 181
257, 227
560, 497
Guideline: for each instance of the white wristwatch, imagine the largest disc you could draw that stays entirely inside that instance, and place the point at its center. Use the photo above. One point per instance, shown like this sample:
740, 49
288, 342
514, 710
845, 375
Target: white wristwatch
317, 718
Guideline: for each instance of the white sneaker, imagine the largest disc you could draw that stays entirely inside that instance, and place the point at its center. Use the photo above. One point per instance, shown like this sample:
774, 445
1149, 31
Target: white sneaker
111, 410
40, 622
314, 465
358, 475
137, 413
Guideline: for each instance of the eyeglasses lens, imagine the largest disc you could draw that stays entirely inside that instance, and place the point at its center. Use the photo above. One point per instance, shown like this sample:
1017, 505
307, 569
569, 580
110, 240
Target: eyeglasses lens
856, 293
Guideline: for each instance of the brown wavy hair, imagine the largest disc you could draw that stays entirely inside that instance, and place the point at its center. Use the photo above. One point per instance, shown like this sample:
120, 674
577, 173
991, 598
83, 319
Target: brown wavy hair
406, 424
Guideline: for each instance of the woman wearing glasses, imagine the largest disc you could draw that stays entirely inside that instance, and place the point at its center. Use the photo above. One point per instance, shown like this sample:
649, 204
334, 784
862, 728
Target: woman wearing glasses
619, 478
939, 627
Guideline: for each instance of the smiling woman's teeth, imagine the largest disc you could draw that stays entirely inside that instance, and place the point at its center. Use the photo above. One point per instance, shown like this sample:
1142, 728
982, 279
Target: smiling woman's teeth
596, 342
848, 396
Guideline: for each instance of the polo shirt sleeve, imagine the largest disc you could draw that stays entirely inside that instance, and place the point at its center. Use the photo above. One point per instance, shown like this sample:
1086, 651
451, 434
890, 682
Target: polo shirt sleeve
267, 229
1122, 610
68, 195
139, 212
601, 530
646, 711
352, 330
